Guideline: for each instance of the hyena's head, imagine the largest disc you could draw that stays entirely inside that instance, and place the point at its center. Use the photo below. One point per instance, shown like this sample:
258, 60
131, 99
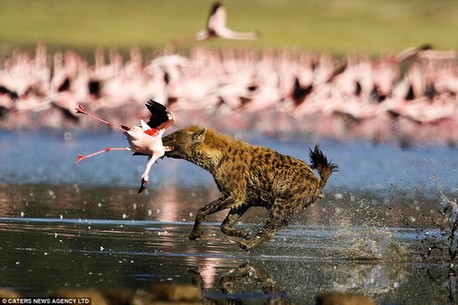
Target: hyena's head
182, 143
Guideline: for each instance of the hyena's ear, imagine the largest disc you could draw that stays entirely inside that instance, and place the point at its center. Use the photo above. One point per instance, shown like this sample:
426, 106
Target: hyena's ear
199, 136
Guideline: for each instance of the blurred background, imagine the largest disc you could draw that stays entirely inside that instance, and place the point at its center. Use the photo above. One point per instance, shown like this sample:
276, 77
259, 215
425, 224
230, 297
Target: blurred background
333, 26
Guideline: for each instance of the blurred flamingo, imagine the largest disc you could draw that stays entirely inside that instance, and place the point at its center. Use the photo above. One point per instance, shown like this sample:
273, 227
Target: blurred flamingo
216, 28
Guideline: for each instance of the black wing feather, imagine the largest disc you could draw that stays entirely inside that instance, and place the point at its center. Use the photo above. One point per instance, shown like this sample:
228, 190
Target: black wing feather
160, 114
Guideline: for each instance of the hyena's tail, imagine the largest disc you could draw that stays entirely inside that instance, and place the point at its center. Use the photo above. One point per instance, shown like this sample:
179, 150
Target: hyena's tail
320, 162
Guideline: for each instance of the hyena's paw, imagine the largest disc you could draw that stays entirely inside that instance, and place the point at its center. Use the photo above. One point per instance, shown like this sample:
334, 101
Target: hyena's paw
195, 235
245, 245
245, 234
252, 243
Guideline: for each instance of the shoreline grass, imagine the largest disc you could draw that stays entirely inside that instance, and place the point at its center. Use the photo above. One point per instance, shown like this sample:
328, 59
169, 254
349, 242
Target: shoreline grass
334, 26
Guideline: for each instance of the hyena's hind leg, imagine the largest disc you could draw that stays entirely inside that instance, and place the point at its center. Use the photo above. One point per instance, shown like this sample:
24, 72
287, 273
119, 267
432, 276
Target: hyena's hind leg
227, 227
277, 219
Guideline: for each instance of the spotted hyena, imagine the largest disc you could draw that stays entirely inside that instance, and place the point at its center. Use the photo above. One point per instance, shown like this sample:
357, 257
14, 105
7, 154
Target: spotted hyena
248, 176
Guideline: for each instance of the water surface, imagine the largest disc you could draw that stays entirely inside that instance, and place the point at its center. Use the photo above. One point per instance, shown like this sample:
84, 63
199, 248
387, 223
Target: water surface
378, 231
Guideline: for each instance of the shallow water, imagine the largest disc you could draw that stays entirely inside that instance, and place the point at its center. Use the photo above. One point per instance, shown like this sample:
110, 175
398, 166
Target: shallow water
379, 230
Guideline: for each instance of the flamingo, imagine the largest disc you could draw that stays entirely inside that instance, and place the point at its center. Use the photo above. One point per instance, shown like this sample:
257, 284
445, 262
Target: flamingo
418, 88
425, 51
216, 28
145, 139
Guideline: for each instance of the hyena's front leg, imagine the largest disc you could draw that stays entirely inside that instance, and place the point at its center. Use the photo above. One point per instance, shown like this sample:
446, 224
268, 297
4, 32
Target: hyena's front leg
213, 207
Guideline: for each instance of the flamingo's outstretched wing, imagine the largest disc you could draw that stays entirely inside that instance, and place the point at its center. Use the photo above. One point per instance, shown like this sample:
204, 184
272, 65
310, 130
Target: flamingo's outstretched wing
161, 116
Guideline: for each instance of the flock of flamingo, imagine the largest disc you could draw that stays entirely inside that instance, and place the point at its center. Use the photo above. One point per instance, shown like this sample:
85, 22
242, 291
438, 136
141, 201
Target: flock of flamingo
407, 97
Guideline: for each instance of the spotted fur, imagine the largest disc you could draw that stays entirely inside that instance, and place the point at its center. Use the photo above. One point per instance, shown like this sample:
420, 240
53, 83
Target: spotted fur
247, 176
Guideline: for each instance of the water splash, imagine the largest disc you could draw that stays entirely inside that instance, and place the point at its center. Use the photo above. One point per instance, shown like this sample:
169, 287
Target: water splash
449, 229
371, 243
450, 225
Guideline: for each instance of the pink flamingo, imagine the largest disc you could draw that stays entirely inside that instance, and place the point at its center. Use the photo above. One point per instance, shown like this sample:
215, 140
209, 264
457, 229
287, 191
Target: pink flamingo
216, 28
145, 139
415, 89
426, 51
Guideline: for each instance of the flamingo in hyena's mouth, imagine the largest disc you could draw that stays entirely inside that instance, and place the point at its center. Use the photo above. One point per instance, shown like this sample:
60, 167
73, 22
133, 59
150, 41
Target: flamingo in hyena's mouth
145, 139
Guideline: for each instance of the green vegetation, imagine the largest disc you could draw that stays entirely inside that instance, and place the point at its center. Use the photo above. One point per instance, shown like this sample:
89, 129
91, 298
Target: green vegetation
336, 26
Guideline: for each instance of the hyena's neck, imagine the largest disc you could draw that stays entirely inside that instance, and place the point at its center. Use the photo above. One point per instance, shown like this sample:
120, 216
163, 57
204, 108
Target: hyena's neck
208, 159
204, 162
210, 153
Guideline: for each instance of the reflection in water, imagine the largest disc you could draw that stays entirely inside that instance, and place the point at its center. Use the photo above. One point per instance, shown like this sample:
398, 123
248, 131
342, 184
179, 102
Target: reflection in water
242, 277
450, 225
381, 282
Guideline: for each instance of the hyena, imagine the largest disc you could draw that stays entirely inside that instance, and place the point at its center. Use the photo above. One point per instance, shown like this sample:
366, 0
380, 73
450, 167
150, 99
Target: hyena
248, 176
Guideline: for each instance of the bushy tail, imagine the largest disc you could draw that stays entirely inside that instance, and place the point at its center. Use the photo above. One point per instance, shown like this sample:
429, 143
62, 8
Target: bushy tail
320, 162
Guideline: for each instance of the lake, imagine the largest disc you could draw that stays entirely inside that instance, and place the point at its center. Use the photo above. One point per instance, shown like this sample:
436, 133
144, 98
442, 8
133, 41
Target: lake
379, 230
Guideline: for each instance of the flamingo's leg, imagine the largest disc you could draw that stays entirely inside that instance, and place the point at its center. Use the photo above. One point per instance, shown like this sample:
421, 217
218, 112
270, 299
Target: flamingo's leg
82, 157
80, 109
145, 176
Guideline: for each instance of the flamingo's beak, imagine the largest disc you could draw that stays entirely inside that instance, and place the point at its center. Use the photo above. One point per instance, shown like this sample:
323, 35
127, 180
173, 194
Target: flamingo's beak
169, 148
